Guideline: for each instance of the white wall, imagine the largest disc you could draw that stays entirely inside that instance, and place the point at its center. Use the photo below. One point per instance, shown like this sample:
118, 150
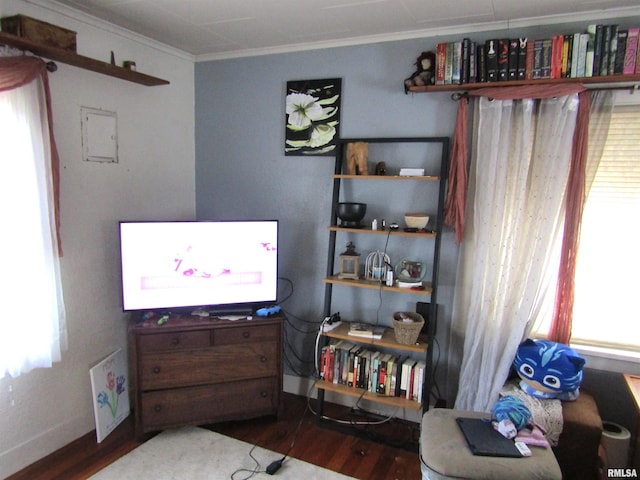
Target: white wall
47, 408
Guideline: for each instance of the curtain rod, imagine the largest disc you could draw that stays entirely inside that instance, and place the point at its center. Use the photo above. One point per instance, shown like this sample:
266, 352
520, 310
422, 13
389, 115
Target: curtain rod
7, 50
632, 89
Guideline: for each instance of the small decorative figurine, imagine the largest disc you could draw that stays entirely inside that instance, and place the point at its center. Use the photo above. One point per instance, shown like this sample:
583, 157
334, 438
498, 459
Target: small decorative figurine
357, 157
425, 74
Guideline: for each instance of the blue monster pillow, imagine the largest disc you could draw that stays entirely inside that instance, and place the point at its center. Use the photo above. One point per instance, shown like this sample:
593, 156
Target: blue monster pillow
549, 369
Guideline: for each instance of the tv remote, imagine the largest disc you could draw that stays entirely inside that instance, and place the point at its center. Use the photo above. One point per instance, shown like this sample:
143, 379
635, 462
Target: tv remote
523, 449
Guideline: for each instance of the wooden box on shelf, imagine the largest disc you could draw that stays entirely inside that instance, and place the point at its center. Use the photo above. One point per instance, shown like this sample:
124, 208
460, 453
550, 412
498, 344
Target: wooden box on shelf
40, 32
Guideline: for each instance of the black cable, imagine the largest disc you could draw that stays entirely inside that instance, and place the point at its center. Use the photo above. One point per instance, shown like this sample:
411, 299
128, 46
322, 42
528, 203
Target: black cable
290, 315
250, 472
289, 347
290, 293
383, 280
274, 466
434, 383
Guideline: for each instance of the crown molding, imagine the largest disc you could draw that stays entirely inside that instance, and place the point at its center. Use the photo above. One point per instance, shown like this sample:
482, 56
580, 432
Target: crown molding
462, 29
94, 22
577, 17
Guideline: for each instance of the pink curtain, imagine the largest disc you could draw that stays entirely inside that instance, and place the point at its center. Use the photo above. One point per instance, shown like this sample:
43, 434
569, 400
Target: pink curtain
456, 195
560, 330
21, 70
456, 200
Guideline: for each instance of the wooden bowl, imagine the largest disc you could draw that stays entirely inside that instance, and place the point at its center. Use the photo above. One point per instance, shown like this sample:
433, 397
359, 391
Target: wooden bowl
416, 220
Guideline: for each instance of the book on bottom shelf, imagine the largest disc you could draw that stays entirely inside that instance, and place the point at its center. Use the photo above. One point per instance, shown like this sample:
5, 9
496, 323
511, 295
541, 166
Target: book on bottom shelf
405, 380
418, 380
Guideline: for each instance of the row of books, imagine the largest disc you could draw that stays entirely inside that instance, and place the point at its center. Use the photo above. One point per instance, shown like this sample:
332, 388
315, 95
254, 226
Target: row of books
356, 366
600, 51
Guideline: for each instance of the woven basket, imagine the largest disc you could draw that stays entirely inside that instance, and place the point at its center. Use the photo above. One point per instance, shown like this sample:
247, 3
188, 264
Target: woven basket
407, 332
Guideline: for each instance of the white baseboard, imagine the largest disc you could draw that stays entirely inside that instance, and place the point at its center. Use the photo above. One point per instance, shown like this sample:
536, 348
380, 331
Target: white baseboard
24, 454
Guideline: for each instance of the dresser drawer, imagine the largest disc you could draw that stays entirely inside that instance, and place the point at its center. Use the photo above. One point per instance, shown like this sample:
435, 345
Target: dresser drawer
246, 333
208, 404
195, 371
210, 365
185, 340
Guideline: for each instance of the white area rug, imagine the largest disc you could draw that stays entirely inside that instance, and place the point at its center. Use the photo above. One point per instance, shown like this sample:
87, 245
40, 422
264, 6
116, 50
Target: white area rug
193, 453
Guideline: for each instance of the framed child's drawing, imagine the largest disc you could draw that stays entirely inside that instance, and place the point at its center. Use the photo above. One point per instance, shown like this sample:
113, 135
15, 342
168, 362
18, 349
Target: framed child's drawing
109, 386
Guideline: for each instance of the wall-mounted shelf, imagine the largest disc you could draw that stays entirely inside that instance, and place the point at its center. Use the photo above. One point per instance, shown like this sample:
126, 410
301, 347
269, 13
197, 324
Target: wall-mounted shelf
71, 58
617, 81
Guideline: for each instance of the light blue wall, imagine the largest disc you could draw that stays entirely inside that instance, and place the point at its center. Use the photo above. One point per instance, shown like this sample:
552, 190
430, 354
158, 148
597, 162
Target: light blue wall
242, 172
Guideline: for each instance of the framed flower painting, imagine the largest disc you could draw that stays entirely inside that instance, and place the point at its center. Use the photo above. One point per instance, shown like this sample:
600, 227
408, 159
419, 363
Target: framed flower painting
312, 116
110, 393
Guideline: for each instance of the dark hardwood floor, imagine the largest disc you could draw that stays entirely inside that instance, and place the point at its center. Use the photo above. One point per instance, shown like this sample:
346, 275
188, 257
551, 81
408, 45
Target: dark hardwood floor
359, 456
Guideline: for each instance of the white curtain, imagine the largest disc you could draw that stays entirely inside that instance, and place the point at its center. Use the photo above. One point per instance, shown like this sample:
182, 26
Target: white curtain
510, 254
602, 102
32, 324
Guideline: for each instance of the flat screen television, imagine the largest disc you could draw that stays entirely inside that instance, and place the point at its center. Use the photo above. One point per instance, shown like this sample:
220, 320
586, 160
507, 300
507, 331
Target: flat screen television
217, 266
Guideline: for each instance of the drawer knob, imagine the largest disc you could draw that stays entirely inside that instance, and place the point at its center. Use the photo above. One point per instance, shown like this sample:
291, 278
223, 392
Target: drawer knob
246, 334
156, 369
264, 394
175, 341
263, 359
157, 408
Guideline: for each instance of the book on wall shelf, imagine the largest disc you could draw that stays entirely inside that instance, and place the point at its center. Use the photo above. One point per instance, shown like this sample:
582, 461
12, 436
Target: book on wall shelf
600, 50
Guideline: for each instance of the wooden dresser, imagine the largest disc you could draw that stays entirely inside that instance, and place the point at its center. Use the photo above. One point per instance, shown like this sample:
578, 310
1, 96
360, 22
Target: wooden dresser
195, 371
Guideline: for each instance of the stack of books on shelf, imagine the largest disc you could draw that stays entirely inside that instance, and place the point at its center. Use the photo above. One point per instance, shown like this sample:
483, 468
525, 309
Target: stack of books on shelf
601, 50
356, 366
365, 330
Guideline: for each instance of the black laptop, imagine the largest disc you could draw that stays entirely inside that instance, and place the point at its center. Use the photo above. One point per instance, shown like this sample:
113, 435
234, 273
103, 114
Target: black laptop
484, 440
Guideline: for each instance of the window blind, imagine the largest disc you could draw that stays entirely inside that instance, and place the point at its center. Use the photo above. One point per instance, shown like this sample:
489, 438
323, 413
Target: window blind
605, 308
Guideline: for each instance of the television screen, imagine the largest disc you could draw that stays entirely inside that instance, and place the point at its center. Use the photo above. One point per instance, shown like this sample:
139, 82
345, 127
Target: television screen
202, 264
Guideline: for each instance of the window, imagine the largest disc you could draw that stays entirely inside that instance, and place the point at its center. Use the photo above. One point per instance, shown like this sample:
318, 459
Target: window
30, 270
608, 268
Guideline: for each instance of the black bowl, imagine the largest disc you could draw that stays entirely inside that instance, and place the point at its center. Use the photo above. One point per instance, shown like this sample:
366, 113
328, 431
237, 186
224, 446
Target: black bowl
351, 213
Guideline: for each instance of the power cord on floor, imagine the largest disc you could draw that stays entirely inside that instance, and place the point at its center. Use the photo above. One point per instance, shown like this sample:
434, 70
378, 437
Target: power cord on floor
275, 465
251, 472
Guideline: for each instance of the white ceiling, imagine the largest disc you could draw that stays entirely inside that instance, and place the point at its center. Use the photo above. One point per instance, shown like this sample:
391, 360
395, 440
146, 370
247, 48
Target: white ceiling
211, 29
